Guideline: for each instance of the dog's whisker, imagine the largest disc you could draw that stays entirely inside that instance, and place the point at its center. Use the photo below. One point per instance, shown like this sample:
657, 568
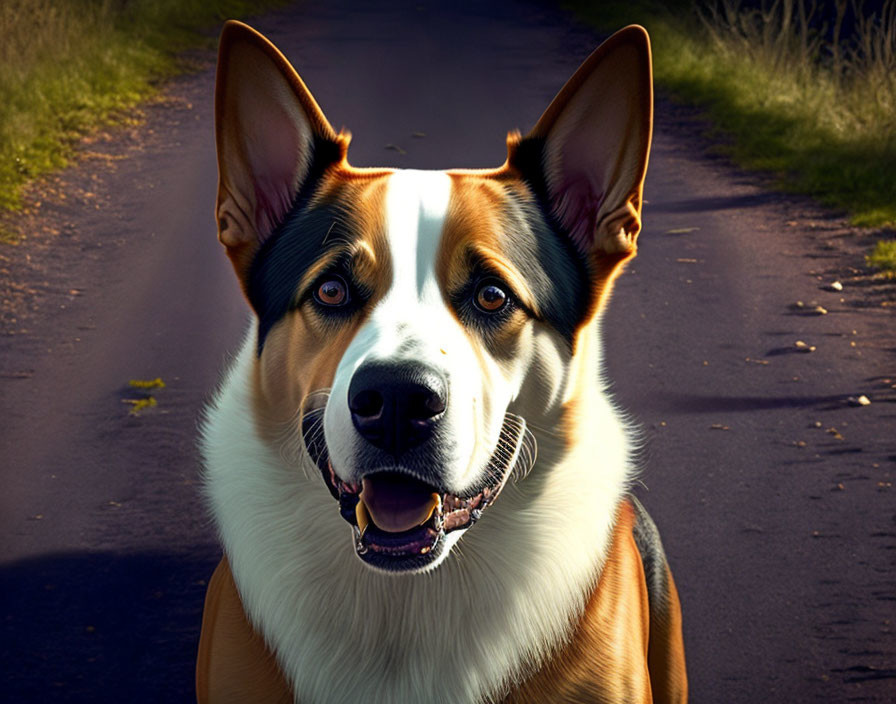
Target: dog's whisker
545, 431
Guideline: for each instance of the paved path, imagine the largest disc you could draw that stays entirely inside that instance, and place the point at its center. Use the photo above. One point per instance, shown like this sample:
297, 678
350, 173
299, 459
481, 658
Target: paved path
781, 534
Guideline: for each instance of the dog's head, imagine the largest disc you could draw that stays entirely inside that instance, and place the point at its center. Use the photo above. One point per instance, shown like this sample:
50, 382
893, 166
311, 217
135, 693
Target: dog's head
410, 323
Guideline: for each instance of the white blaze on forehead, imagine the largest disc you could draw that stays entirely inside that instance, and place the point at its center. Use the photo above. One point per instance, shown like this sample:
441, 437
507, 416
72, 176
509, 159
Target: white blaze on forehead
416, 207
412, 320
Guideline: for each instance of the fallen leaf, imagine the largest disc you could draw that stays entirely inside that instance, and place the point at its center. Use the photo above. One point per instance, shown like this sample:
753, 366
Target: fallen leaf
139, 404
156, 383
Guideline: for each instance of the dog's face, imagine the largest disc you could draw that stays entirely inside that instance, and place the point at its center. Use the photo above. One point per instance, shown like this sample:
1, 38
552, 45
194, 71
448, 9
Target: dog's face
411, 323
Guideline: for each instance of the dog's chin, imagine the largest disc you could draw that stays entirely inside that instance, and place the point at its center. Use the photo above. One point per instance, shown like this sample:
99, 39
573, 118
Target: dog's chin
403, 553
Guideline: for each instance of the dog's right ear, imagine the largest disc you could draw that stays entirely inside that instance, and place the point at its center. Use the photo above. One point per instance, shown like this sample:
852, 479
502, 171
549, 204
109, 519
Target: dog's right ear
271, 137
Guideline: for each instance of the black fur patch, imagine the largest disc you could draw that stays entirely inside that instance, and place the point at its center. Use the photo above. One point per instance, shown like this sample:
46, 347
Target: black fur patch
554, 273
647, 539
282, 261
552, 266
295, 244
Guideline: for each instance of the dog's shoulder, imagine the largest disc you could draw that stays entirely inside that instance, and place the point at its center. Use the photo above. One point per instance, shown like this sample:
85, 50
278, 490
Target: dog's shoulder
234, 663
635, 595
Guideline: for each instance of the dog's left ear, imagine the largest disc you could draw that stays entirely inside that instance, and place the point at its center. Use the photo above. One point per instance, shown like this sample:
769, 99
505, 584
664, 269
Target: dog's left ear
271, 136
592, 144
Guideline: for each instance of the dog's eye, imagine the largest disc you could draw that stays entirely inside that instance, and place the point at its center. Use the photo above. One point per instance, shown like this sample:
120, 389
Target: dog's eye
490, 297
332, 292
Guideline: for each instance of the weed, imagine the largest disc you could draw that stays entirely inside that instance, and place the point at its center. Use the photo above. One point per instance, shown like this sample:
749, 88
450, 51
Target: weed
883, 257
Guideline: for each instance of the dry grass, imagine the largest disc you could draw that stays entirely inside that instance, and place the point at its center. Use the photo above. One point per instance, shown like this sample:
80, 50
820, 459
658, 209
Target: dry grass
796, 93
67, 66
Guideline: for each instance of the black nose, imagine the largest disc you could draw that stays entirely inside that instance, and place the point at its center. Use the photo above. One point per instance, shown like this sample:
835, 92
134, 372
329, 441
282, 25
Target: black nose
396, 406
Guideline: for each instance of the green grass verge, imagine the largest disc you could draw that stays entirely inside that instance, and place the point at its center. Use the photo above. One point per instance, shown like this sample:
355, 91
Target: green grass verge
883, 257
70, 66
777, 101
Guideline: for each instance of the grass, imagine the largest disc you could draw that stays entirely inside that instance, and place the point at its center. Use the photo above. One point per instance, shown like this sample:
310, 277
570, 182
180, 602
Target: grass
790, 89
70, 66
883, 257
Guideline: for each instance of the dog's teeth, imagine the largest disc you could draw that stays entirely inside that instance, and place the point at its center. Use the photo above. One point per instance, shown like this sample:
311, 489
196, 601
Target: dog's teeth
435, 505
361, 517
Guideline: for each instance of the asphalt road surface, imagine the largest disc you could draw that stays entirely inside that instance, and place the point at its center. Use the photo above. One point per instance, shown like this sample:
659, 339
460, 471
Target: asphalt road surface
773, 494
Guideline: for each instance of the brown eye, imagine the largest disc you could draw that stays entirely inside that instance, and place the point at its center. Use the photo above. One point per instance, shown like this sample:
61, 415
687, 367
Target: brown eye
490, 297
332, 292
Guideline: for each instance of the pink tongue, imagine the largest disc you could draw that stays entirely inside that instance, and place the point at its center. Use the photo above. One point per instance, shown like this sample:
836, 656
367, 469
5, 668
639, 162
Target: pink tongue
397, 503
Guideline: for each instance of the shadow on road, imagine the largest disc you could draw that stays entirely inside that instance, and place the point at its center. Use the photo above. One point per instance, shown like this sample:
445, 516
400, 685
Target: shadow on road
98, 627
690, 205
696, 403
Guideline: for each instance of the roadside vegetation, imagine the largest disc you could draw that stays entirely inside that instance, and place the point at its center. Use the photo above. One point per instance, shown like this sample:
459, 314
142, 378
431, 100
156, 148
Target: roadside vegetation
69, 66
883, 257
803, 89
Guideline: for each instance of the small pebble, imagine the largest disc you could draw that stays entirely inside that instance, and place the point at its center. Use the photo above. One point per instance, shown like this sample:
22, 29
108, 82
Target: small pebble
803, 347
859, 401
833, 286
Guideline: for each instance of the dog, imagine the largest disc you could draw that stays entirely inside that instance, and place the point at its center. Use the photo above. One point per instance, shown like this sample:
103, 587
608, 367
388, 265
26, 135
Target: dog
419, 481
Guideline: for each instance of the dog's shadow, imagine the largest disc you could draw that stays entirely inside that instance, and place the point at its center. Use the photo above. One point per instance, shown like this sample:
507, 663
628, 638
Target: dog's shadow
102, 627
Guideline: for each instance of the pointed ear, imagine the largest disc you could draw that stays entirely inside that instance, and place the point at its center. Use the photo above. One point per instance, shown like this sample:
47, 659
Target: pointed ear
592, 145
271, 136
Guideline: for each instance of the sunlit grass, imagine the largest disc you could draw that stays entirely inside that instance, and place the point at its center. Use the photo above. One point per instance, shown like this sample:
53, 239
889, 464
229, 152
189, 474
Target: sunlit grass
820, 116
883, 257
68, 66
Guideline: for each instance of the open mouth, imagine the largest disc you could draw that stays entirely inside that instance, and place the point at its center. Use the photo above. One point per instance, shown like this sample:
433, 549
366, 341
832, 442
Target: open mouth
399, 522
400, 519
